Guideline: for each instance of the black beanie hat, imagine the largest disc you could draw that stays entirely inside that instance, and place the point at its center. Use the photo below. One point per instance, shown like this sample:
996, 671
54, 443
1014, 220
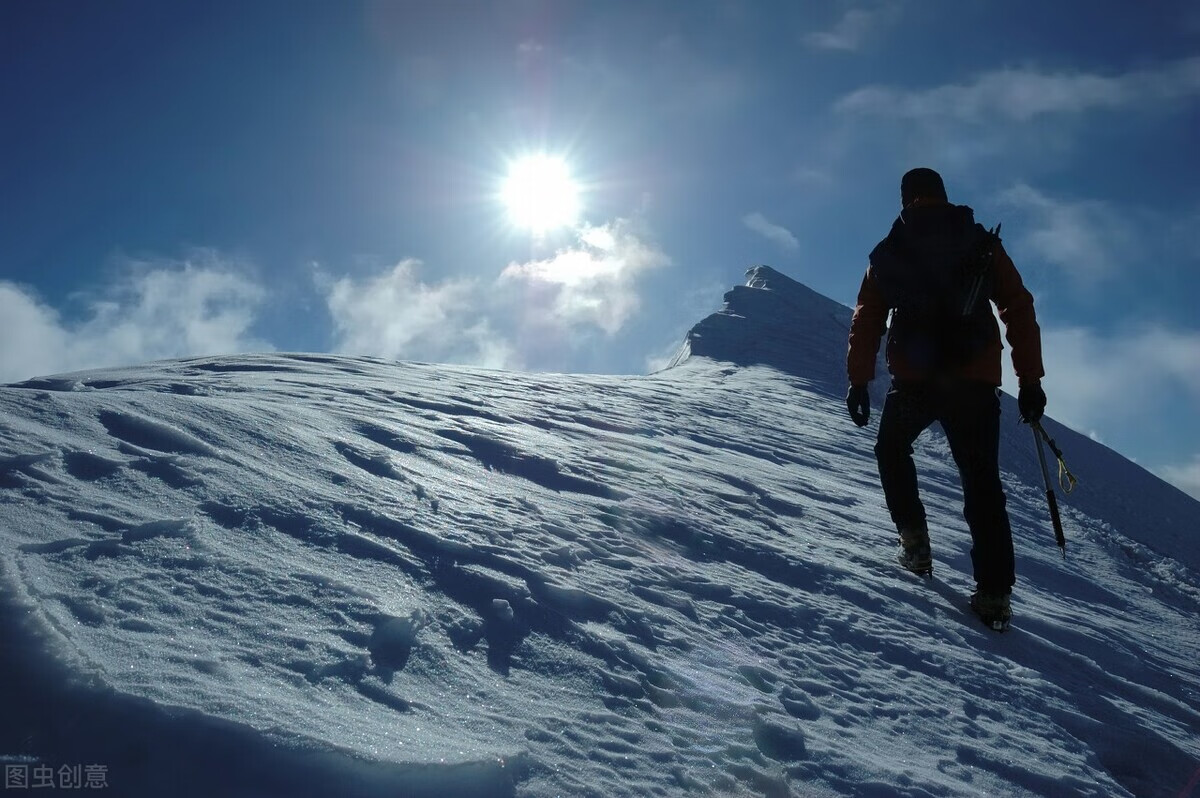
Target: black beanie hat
921, 182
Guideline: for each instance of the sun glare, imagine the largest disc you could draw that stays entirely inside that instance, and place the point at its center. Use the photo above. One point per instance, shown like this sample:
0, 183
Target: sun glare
540, 194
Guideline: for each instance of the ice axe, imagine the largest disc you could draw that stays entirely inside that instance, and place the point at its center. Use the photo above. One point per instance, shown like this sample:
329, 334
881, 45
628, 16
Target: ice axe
1038, 435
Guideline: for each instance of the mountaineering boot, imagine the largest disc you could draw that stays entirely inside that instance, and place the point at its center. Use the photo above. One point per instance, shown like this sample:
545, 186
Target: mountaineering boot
914, 549
992, 608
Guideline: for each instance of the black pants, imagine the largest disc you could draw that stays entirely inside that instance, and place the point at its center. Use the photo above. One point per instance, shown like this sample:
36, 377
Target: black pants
969, 413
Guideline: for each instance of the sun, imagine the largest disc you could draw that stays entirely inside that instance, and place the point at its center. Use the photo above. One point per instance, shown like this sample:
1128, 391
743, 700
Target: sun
540, 193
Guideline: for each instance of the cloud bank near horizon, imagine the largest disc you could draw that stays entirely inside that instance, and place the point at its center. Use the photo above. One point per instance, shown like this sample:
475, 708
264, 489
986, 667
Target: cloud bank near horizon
154, 310
1119, 375
594, 282
207, 305
523, 317
394, 315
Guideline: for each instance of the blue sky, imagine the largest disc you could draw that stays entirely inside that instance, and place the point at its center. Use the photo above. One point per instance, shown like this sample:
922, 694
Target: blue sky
199, 178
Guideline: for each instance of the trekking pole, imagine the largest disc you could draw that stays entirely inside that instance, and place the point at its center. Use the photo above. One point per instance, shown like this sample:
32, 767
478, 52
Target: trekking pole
1051, 499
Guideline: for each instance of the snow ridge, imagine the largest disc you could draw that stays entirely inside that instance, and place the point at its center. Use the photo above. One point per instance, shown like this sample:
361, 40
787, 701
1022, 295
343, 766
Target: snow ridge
775, 321
313, 575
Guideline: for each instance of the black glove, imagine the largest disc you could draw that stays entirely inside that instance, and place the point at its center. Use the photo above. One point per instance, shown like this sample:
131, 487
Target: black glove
1031, 402
859, 403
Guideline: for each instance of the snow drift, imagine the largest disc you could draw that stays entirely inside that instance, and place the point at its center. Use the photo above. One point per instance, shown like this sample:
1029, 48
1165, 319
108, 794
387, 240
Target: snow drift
314, 575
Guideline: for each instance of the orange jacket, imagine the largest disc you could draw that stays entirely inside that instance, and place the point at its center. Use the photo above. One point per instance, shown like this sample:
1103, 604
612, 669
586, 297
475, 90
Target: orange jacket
1011, 298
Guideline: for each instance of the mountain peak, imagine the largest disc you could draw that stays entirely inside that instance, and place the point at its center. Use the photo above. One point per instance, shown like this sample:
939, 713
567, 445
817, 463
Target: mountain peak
775, 321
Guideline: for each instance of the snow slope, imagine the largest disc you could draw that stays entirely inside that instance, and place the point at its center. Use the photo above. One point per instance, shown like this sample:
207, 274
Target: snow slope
317, 575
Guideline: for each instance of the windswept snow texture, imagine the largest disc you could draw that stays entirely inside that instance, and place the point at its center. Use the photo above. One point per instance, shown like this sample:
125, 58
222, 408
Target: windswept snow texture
311, 575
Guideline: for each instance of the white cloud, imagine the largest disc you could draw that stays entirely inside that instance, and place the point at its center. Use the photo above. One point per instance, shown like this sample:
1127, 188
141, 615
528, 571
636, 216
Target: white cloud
811, 176
33, 341
1098, 383
1096, 380
491, 349
396, 316
524, 317
1186, 477
852, 30
173, 311
1088, 239
158, 309
1021, 94
592, 283
769, 230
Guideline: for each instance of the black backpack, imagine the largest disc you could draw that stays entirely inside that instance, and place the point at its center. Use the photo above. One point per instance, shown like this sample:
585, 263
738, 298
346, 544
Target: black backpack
935, 269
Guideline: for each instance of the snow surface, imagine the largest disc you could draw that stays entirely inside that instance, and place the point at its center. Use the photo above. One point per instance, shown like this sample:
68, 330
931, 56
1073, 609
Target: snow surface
317, 575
